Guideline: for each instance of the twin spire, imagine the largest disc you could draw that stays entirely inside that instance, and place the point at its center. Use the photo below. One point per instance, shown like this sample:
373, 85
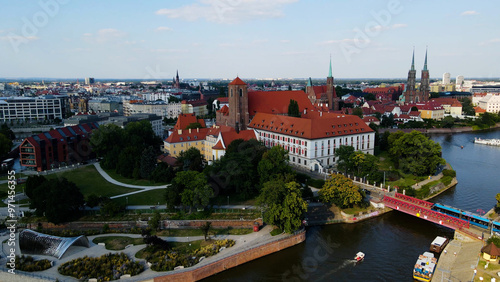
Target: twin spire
413, 60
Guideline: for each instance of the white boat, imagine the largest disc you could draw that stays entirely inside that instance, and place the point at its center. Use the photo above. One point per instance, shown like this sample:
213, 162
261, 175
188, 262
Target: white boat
424, 268
491, 142
439, 244
359, 256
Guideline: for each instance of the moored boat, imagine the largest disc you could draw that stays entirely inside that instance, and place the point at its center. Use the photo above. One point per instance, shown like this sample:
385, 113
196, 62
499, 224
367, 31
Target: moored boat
491, 142
439, 244
424, 268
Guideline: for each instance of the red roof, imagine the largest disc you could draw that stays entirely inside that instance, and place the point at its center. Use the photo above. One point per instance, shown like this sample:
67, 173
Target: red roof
223, 100
186, 119
276, 102
187, 135
491, 249
224, 110
229, 136
320, 127
171, 161
237, 81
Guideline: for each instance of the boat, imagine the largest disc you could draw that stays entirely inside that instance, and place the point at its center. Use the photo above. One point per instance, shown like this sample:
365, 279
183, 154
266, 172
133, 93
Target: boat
424, 268
439, 244
491, 142
359, 257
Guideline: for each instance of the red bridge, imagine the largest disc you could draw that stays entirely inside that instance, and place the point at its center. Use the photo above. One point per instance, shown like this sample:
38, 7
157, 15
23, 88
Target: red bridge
422, 209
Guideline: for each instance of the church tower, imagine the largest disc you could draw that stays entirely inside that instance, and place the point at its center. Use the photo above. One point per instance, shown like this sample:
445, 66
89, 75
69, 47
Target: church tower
177, 83
408, 95
424, 82
238, 104
333, 103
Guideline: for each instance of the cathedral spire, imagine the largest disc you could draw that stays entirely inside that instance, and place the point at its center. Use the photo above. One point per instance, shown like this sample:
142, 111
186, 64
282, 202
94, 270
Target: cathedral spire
425, 62
413, 60
330, 72
309, 82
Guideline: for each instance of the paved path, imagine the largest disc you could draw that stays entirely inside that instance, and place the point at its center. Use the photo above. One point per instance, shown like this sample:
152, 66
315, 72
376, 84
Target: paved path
111, 180
243, 242
459, 261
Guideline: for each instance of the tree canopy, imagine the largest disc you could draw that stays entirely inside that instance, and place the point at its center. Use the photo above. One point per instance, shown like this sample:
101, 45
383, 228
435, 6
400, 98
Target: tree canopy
415, 153
58, 199
282, 204
191, 159
274, 164
340, 191
293, 109
189, 188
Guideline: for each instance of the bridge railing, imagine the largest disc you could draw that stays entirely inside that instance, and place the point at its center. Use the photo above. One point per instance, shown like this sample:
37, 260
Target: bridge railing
426, 214
414, 200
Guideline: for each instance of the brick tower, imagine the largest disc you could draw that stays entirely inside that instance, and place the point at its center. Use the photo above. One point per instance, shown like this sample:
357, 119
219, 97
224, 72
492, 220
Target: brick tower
424, 82
238, 104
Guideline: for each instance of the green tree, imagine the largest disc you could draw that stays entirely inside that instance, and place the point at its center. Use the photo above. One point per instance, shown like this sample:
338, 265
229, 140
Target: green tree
191, 159
497, 208
205, 228
32, 183
194, 125
467, 107
357, 112
93, 200
293, 108
415, 153
154, 222
163, 173
370, 97
148, 162
128, 160
344, 154
5, 145
58, 199
448, 122
364, 164
5, 130
274, 163
189, 188
340, 191
282, 204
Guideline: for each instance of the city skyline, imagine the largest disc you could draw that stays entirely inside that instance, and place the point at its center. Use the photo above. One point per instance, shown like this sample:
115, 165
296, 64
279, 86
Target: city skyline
247, 38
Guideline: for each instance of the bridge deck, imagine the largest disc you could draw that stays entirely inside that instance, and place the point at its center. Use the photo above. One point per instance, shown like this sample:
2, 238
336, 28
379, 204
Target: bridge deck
422, 209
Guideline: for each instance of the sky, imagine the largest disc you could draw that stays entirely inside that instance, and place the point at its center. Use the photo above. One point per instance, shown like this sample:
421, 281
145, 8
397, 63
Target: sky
247, 38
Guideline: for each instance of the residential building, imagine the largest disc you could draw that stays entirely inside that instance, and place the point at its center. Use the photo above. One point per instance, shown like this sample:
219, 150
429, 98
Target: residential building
159, 108
24, 108
198, 107
59, 147
490, 103
451, 106
182, 140
431, 111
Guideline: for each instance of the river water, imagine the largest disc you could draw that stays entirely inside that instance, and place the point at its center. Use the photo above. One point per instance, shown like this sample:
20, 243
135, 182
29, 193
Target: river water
391, 242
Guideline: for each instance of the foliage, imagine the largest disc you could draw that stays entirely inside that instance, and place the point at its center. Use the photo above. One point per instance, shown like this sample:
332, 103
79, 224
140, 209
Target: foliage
467, 107
237, 170
276, 231
495, 240
415, 153
5, 130
109, 207
282, 204
497, 207
387, 121
154, 222
340, 191
293, 109
189, 188
162, 173
449, 172
344, 154
448, 122
59, 199
27, 263
148, 162
93, 200
105, 268
370, 97
357, 112
191, 159
206, 228
274, 164
162, 260
195, 125
117, 242
5, 145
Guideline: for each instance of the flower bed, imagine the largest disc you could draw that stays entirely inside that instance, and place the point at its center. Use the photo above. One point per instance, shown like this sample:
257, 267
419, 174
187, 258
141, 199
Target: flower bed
168, 260
105, 268
27, 263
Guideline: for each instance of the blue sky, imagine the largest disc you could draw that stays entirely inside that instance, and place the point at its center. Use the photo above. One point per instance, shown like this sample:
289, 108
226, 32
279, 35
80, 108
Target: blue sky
249, 38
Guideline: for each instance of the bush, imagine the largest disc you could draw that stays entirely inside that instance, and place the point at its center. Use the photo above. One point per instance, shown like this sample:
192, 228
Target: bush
105, 268
449, 172
446, 180
27, 263
316, 183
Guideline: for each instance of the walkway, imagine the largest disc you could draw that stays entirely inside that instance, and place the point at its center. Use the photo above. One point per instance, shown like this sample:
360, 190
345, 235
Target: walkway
459, 261
243, 242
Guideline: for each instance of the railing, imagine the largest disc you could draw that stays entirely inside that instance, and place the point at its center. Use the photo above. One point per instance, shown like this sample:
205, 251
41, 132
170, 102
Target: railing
414, 200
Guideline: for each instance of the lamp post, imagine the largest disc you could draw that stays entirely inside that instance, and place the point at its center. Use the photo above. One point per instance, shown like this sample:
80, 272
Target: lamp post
384, 178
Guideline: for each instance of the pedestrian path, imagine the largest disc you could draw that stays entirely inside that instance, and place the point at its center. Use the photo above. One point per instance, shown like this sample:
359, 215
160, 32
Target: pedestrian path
458, 261
111, 180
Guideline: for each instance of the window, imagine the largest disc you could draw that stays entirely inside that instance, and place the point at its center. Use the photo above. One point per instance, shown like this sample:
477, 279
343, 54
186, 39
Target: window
241, 92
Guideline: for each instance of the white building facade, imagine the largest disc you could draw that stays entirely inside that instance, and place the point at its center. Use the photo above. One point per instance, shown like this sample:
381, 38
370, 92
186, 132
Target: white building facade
22, 108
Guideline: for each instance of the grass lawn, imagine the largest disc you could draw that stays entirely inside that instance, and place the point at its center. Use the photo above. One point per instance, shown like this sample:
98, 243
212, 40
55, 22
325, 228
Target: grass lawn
491, 267
140, 182
144, 198
355, 210
276, 231
181, 247
199, 232
118, 242
91, 182
236, 199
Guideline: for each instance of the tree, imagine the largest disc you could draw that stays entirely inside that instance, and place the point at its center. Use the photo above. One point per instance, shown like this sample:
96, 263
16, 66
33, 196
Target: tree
293, 108
5, 130
110, 207
282, 204
448, 122
191, 159
344, 158
5, 145
32, 183
357, 112
58, 199
148, 162
162, 173
340, 191
194, 125
370, 97
497, 207
206, 228
274, 163
189, 188
154, 222
93, 200
415, 153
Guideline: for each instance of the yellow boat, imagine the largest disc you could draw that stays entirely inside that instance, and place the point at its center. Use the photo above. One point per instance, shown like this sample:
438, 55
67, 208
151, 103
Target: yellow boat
424, 268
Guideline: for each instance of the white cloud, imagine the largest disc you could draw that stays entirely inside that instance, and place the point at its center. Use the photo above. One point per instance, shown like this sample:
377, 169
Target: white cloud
394, 26
18, 38
294, 53
470, 13
491, 41
228, 12
160, 50
163, 28
104, 35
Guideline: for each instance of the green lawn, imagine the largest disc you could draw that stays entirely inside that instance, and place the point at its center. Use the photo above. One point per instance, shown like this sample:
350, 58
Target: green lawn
118, 242
151, 197
139, 182
199, 232
236, 199
91, 182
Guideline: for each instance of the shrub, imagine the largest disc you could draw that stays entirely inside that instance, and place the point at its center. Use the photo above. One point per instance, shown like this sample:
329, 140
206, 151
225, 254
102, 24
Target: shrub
27, 263
446, 180
449, 172
317, 183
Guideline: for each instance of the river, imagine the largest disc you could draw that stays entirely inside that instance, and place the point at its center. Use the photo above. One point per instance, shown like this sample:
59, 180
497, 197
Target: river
391, 242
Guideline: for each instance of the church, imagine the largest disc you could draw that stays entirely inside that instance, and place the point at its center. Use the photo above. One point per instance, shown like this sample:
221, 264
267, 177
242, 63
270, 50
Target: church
412, 94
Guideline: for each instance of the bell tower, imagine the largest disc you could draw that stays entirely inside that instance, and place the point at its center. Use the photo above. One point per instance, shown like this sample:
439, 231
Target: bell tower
238, 104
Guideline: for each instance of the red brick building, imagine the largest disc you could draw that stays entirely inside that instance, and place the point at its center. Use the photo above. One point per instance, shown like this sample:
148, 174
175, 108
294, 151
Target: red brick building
58, 147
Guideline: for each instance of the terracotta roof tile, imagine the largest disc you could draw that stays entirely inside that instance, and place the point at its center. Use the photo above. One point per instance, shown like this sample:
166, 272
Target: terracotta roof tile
276, 102
237, 81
